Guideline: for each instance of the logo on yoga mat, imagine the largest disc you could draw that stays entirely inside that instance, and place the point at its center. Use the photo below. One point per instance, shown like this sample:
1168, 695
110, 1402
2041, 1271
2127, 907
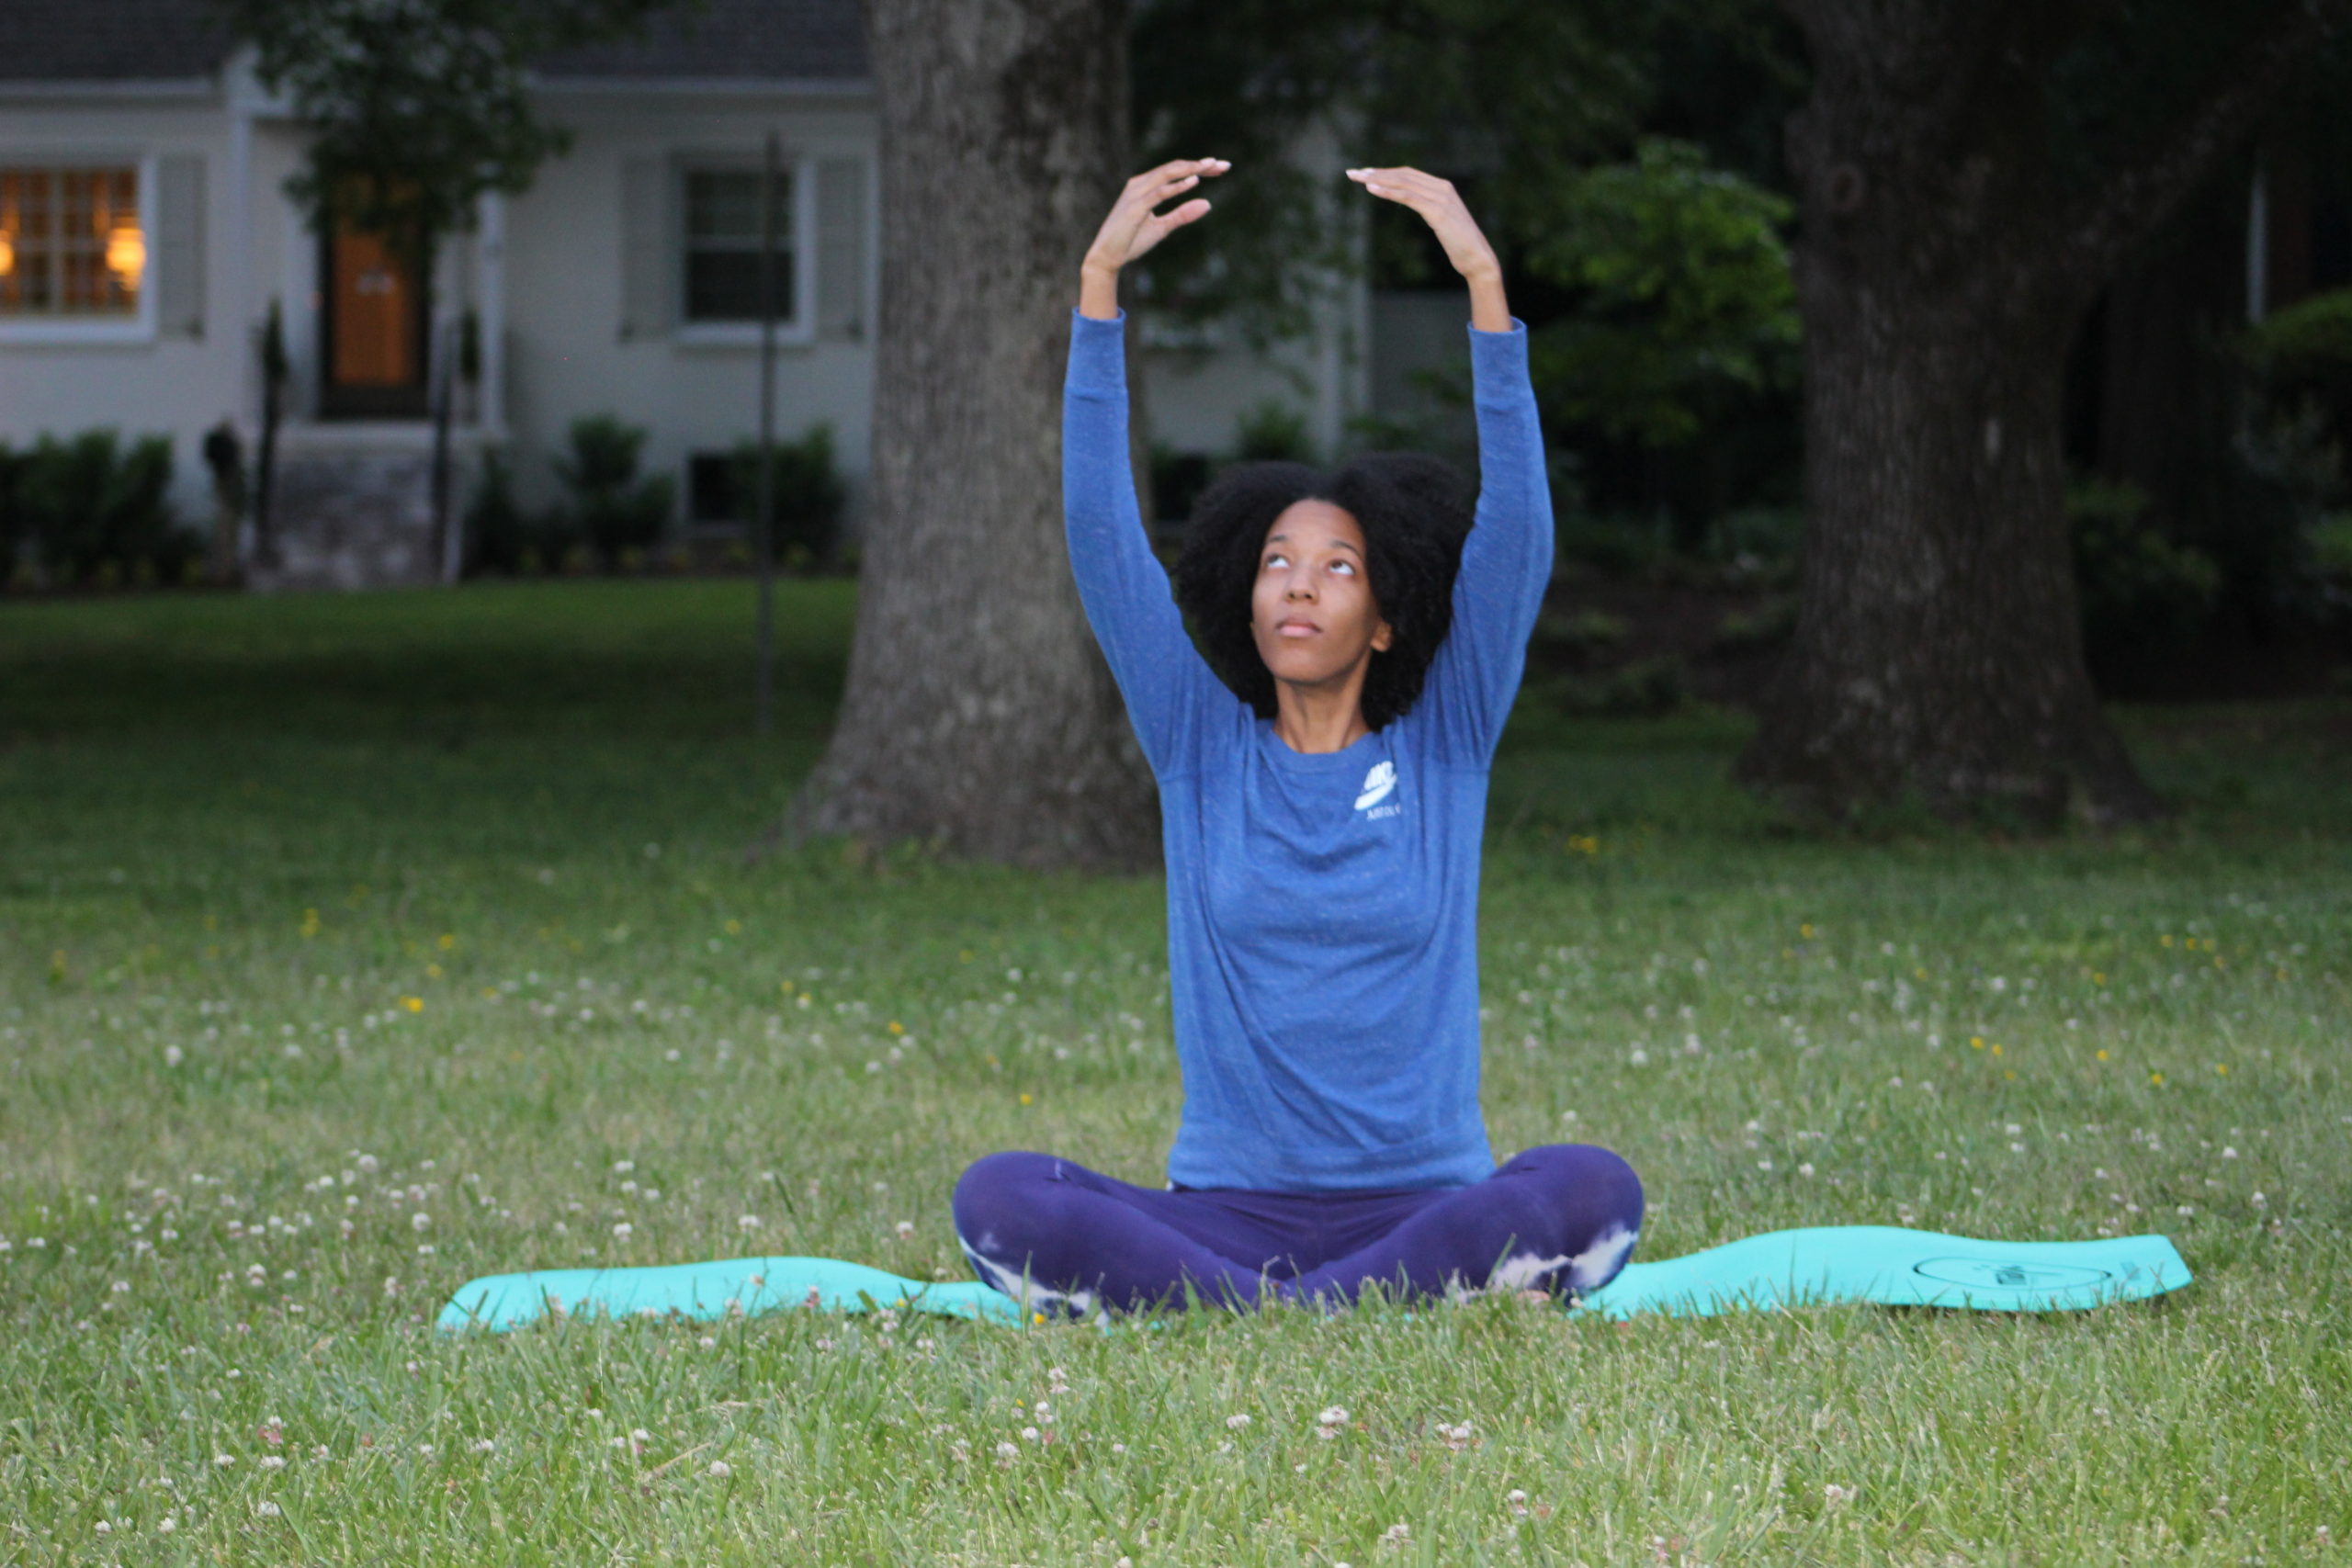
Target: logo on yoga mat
1982, 1274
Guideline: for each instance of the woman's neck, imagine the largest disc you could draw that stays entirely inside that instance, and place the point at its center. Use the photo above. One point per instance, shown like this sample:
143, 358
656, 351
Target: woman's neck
1319, 718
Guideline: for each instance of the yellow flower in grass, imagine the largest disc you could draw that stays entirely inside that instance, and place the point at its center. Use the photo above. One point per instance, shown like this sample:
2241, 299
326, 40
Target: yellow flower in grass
449, 940
413, 1004
2102, 1052
2158, 1079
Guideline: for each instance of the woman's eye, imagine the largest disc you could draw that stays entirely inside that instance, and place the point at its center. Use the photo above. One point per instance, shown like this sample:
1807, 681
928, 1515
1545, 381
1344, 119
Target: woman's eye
1274, 561
1348, 566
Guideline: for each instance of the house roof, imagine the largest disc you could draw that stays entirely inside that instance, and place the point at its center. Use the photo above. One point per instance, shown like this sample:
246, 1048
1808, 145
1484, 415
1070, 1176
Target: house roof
117, 40
146, 40
713, 40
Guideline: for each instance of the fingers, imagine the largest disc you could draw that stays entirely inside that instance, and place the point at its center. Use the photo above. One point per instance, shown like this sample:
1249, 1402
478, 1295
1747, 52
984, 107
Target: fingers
1190, 212
1178, 170
1405, 184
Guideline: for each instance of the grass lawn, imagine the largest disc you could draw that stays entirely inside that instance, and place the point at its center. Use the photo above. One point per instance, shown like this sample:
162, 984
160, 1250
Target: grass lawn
353, 947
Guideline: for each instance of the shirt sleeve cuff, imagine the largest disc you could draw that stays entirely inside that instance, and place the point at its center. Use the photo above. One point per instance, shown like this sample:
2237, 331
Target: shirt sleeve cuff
1098, 351
1499, 360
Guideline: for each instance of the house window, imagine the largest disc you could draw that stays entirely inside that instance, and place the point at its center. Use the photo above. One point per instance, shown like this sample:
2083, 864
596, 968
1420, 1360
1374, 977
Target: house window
722, 245
72, 244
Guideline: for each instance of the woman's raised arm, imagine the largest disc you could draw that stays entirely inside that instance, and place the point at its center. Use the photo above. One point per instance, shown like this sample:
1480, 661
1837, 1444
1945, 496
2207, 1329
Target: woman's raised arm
1506, 561
1126, 593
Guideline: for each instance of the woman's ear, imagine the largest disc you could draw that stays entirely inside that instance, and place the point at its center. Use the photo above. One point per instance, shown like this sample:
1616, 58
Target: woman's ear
1381, 636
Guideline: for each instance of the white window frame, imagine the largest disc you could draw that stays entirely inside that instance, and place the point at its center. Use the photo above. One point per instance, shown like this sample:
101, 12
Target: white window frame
136, 328
795, 330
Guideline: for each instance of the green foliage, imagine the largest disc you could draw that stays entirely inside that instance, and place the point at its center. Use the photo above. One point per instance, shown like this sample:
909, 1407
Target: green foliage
2302, 360
1441, 84
2332, 546
1612, 546
1757, 543
2139, 590
96, 511
1682, 291
611, 507
11, 526
1272, 431
809, 495
1769, 626
1581, 634
415, 109
500, 535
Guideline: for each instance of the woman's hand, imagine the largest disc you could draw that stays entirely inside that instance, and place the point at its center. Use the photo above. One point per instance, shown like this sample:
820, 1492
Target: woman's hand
1133, 228
1465, 246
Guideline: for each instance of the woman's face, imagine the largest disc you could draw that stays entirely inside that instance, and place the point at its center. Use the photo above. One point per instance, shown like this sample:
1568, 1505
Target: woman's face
1311, 609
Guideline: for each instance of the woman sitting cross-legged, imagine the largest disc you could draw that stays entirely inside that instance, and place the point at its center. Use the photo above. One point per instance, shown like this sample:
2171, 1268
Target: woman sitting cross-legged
1322, 763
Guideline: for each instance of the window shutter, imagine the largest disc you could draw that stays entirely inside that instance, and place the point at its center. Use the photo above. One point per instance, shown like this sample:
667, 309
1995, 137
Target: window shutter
646, 248
179, 246
841, 248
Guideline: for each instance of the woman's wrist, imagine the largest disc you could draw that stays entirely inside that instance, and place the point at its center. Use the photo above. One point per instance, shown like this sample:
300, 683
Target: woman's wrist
1098, 292
1489, 309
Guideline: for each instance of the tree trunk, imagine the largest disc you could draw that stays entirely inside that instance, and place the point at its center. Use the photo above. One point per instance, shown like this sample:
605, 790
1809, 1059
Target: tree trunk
1938, 649
1938, 654
979, 716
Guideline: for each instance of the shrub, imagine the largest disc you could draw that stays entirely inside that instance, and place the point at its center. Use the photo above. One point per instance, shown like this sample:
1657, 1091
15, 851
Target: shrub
1769, 626
11, 526
1579, 636
99, 511
612, 507
1273, 432
2302, 356
2139, 590
809, 495
1758, 544
2332, 544
499, 535
1177, 480
1613, 546
1646, 688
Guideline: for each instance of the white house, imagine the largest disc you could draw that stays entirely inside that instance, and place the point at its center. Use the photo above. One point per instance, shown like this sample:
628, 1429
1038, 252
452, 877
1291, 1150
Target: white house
145, 235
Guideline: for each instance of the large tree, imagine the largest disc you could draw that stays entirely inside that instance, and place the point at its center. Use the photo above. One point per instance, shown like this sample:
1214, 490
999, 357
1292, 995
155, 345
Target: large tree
1959, 216
978, 714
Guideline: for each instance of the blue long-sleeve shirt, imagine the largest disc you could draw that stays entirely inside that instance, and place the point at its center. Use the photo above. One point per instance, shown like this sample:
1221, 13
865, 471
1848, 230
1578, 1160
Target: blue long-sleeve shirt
1322, 909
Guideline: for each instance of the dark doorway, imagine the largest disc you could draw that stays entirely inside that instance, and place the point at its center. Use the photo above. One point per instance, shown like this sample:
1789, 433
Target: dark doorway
372, 328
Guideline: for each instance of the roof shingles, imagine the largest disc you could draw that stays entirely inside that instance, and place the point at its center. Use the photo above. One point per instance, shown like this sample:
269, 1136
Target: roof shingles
134, 40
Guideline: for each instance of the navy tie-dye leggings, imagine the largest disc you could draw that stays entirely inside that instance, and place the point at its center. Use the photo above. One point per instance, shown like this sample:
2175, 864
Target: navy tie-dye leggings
1562, 1217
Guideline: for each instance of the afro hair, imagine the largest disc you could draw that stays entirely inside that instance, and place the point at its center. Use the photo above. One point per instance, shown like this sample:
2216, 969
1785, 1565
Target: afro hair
1415, 511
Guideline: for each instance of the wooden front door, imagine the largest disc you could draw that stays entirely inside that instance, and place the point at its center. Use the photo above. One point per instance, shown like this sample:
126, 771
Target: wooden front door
374, 330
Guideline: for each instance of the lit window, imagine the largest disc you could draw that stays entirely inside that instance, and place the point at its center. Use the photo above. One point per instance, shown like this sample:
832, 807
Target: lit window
71, 243
722, 248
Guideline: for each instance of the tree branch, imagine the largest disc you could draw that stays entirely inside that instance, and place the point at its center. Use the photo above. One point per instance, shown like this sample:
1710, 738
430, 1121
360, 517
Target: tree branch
2138, 196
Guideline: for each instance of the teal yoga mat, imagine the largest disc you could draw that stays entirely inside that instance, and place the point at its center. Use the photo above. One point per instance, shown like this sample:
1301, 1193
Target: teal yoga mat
1893, 1267
1780, 1269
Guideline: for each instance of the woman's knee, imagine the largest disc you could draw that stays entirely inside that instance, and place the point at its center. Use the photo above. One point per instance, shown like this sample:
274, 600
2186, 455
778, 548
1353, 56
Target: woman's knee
1586, 1174
997, 1189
